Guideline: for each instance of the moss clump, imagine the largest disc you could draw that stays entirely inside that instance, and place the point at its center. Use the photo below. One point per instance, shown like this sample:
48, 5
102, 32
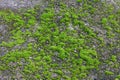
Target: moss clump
58, 44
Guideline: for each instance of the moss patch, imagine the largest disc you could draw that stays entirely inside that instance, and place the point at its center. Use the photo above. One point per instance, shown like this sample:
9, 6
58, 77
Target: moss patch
59, 44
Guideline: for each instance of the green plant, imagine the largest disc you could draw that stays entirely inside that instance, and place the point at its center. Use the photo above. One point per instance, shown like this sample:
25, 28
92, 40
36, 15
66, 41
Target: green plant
113, 58
104, 21
79, 0
51, 47
109, 73
118, 76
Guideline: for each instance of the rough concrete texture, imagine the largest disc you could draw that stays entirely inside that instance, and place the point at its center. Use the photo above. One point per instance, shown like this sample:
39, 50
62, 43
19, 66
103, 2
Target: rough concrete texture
15, 4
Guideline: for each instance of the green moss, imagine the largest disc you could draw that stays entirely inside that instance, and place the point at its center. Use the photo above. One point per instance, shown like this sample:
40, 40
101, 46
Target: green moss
113, 58
55, 48
109, 73
79, 0
118, 76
